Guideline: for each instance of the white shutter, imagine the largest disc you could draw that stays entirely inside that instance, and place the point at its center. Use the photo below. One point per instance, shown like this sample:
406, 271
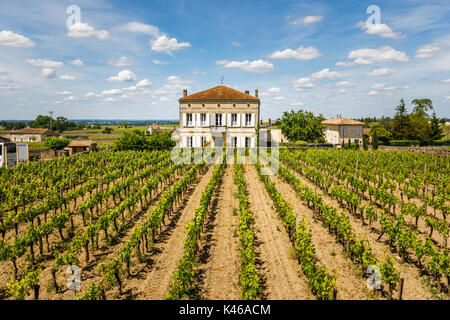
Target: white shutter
253, 119
252, 142
228, 119
198, 142
207, 120
224, 119
184, 142
238, 117
184, 120
213, 119
193, 119
228, 141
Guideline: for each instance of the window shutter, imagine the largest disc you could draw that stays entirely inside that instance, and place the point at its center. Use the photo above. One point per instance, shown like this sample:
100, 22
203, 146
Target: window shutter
228, 141
238, 117
229, 119
253, 120
184, 120
252, 142
213, 119
207, 120
184, 142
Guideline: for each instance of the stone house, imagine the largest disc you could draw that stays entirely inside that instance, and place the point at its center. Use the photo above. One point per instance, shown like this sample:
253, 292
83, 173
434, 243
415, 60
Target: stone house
338, 130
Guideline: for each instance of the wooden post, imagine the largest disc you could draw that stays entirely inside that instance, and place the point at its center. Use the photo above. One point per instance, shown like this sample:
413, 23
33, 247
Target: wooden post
400, 290
334, 294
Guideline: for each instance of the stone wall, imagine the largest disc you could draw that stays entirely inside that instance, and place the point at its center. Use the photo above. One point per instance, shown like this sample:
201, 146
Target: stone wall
439, 151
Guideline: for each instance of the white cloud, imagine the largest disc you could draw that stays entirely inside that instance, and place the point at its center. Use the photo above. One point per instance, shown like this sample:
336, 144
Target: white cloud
325, 74
380, 29
307, 20
383, 54
49, 73
428, 50
78, 63
90, 94
372, 93
164, 44
279, 98
67, 77
257, 66
159, 62
111, 92
376, 88
142, 28
44, 63
221, 62
446, 80
144, 84
123, 76
380, 72
345, 84
121, 62
447, 99
305, 82
236, 44
11, 39
83, 30
300, 53
341, 91
63, 93
274, 90
71, 98
345, 64
199, 73
177, 80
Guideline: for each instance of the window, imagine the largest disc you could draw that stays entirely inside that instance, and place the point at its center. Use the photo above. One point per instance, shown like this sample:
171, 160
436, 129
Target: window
248, 142
248, 119
357, 131
234, 120
202, 141
189, 142
218, 120
234, 142
345, 131
189, 119
203, 120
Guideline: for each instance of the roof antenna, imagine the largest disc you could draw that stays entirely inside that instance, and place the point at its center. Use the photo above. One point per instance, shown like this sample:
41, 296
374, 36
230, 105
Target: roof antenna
222, 80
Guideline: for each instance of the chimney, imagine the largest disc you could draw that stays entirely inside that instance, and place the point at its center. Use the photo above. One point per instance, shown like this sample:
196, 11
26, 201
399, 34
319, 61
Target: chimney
337, 116
247, 91
256, 93
184, 92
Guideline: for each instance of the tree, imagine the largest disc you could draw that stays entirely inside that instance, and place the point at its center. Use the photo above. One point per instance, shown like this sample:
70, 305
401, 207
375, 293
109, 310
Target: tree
107, 130
379, 134
302, 125
400, 123
421, 106
161, 141
419, 128
41, 122
365, 142
56, 143
436, 129
135, 140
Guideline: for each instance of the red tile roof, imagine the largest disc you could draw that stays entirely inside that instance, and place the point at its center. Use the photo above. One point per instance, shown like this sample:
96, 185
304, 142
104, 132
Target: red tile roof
30, 131
342, 121
81, 143
221, 92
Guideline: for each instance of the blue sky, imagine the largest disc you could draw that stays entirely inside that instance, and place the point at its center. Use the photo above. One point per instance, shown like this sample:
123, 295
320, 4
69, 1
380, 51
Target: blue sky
132, 59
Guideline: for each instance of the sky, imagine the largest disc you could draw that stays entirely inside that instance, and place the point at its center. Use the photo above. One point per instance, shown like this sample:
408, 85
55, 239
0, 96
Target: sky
101, 59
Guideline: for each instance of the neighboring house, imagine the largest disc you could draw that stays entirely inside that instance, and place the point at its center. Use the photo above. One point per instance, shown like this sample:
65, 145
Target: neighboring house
220, 116
153, 128
338, 130
78, 146
31, 135
2, 128
4, 139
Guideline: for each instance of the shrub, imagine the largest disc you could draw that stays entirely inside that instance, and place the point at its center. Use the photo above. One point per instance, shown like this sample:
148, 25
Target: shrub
56, 143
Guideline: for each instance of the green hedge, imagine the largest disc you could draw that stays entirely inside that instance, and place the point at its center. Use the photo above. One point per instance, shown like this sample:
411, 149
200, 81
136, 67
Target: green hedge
408, 143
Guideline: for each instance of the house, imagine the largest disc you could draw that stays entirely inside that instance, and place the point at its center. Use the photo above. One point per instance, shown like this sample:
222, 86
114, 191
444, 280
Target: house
220, 117
153, 128
31, 135
338, 130
2, 128
4, 139
78, 146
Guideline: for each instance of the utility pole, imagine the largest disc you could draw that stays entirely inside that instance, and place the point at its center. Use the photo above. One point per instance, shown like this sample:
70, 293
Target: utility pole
51, 119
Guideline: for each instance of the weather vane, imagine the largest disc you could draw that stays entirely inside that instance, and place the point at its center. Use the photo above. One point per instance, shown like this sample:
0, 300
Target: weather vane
221, 80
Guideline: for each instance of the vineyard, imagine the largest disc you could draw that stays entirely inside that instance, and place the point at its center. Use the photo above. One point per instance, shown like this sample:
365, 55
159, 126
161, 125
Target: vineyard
330, 224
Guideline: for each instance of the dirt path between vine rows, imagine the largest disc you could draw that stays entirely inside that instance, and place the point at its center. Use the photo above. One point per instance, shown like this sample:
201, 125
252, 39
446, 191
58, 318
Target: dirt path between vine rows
279, 270
414, 288
349, 284
153, 281
220, 273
